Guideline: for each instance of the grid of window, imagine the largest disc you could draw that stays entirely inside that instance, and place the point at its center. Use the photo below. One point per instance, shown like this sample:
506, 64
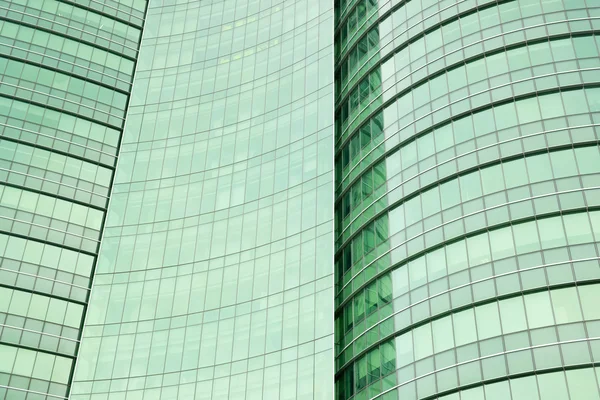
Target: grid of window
66, 71
412, 70
30, 373
492, 187
59, 131
419, 294
440, 276
554, 119
128, 11
84, 60
54, 173
465, 346
551, 105
467, 230
576, 383
55, 89
215, 278
80, 23
44, 268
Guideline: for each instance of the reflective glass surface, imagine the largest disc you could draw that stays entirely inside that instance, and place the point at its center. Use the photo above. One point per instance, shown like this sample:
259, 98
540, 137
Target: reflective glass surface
467, 199
215, 274
66, 71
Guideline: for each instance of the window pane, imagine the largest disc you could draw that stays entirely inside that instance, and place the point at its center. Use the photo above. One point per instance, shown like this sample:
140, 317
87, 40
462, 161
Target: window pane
539, 310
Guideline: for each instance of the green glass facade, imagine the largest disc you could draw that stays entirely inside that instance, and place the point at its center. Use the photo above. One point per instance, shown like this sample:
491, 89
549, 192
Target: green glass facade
467, 200
66, 71
215, 276
196, 195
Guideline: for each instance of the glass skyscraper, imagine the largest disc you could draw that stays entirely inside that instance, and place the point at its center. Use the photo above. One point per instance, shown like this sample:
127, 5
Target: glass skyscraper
215, 278
308, 199
66, 71
467, 199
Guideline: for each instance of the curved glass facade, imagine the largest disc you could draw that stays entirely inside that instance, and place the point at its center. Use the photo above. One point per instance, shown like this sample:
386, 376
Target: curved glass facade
170, 210
66, 71
215, 276
467, 216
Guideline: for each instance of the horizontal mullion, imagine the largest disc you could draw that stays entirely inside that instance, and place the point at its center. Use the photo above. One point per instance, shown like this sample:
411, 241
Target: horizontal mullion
45, 294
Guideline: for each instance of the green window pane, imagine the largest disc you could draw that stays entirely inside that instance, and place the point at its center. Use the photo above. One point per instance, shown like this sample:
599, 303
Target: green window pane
502, 244
371, 297
563, 163
8, 355
589, 297
24, 362
497, 391
359, 307
43, 366
552, 386
524, 388
582, 384
361, 373
488, 321
404, 349
578, 228
566, 305
385, 289
551, 233
368, 236
539, 310
464, 327
456, 256
373, 366
443, 339
512, 313
388, 358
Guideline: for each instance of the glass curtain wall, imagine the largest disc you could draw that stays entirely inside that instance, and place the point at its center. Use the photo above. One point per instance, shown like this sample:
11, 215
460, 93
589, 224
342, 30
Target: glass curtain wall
467, 199
215, 275
66, 70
